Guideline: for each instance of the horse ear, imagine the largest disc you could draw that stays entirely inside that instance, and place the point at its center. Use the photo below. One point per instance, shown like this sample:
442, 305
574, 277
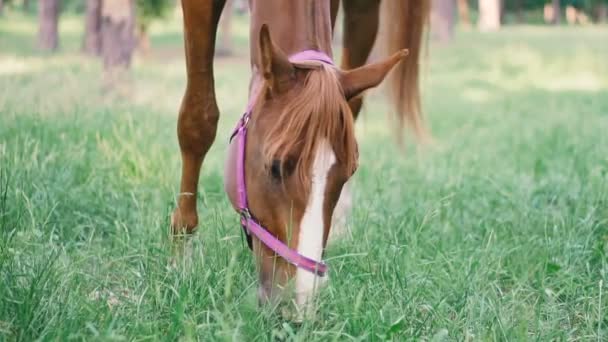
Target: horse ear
355, 81
274, 64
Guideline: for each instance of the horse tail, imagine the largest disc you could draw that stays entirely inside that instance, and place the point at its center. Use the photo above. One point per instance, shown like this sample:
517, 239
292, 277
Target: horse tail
405, 22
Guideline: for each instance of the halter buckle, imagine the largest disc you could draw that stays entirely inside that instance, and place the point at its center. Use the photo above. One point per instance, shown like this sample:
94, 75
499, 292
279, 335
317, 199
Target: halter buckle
245, 213
246, 119
245, 217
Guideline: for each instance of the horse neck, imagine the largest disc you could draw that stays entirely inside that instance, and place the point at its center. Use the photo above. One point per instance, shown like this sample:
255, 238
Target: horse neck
294, 25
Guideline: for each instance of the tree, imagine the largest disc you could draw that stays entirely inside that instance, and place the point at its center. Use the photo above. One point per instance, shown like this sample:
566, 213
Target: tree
519, 11
117, 40
489, 15
556, 12
92, 32
147, 11
442, 19
463, 13
48, 39
601, 12
1, 6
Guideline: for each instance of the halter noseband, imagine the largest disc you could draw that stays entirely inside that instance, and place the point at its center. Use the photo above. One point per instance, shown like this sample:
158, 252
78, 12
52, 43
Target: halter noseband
249, 224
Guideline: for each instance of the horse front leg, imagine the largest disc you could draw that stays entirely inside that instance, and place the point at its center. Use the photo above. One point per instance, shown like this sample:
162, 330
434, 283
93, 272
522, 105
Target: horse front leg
361, 20
199, 114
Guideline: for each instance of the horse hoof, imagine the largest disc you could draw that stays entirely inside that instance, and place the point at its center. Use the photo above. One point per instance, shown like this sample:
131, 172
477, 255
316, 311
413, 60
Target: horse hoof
183, 223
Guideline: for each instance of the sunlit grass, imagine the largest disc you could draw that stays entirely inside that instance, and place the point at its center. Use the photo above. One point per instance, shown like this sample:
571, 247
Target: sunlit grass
499, 231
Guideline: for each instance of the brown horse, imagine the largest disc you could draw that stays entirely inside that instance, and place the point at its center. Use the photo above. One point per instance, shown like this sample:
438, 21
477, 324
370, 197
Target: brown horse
301, 147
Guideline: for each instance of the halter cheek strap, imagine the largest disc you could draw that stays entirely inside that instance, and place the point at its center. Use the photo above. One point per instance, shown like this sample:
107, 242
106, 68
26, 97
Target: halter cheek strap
249, 224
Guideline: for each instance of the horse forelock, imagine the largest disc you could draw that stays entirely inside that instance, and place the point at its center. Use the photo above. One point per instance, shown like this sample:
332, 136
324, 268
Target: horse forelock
318, 111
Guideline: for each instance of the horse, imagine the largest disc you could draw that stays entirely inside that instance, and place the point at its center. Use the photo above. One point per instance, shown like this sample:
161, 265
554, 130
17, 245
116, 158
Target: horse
294, 148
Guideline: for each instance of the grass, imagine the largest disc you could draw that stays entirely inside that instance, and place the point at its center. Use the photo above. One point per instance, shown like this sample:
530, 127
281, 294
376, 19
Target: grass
498, 232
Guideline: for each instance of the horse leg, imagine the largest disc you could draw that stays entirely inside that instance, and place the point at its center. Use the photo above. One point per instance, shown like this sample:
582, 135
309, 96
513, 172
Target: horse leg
361, 18
198, 115
334, 7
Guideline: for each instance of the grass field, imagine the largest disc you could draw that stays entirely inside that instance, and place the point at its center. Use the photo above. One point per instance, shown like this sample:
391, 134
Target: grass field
498, 232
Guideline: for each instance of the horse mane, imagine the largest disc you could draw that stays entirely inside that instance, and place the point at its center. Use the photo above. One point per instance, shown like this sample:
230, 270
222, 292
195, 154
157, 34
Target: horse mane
319, 111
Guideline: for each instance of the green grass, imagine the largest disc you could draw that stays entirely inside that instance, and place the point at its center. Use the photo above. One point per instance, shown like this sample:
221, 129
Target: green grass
498, 232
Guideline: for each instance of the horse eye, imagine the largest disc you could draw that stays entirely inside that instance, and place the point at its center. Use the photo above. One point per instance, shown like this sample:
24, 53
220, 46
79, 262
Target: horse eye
275, 169
280, 169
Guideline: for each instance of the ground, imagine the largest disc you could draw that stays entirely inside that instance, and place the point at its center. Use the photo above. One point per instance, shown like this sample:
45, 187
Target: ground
499, 231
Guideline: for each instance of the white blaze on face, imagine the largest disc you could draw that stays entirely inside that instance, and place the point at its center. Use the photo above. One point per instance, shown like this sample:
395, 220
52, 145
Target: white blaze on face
310, 242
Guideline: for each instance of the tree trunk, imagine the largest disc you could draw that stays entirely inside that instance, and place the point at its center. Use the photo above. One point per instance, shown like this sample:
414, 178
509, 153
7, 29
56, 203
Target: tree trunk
489, 15
143, 39
92, 34
571, 14
48, 39
225, 47
442, 20
519, 11
463, 13
117, 41
556, 12
26, 5
1, 6
601, 13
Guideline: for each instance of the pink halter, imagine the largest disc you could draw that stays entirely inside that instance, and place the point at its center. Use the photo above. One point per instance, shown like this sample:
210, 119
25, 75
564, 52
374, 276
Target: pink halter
249, 224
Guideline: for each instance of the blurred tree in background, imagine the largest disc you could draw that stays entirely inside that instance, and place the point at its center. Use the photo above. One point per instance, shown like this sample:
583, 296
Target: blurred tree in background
48, 38
442, 20
601, 12
533, 11
92, 28
463, 13
489, 15
148, 11
117, 41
